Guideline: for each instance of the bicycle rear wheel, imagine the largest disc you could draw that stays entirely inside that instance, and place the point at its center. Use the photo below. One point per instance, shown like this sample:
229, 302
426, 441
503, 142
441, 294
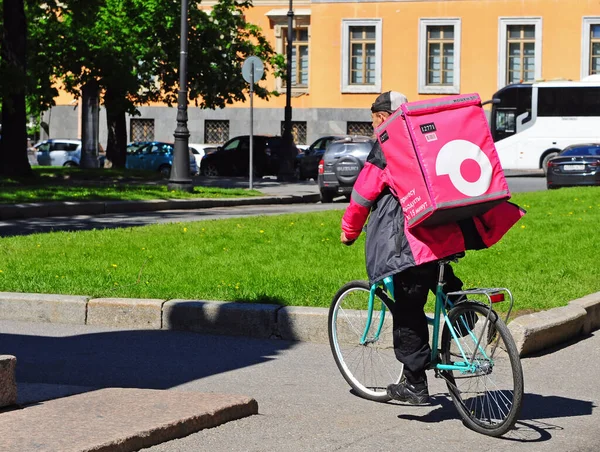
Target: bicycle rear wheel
489, 398
369, 367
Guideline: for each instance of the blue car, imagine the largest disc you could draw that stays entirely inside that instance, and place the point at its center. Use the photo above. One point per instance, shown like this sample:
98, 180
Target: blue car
155, 156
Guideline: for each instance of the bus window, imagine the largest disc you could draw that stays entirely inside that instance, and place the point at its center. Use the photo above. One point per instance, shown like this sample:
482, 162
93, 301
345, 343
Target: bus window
569, 101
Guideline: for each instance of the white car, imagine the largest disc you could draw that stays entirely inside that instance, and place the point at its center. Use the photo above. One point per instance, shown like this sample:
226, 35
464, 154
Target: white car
200, 150
58, 152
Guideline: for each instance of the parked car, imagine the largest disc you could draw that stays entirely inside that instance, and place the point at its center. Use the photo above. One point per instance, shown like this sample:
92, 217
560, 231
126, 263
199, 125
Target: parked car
576, 165
155, 156
200, 150
307, 162
233, 158
58, 152
62, 152
342, 162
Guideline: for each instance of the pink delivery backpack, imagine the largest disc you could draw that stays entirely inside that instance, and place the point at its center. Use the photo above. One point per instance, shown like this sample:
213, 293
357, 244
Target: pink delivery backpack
441, 160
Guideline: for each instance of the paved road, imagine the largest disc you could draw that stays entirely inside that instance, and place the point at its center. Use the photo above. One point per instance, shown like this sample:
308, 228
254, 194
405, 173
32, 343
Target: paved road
304, 403
86, 222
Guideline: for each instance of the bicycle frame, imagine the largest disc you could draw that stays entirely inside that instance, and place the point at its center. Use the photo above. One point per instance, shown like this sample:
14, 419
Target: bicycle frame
443, 304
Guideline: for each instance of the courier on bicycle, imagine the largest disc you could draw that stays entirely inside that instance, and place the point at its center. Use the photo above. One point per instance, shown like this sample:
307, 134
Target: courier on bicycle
410, 255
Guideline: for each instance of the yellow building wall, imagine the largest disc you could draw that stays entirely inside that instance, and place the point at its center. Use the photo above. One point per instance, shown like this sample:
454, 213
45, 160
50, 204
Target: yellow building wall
561, 44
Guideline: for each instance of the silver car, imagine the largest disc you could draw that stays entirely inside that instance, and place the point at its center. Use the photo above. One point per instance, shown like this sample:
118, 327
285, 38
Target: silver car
341, 163
58, 152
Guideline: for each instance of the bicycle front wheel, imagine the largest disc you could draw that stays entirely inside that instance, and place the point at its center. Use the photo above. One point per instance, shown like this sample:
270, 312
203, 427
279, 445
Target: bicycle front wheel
488, 396
367, 362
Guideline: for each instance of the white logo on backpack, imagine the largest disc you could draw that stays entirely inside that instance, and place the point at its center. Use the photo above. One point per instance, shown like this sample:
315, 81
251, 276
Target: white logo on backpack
450, 159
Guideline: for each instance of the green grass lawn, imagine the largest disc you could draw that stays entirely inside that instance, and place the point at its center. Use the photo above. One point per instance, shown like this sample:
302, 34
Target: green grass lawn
75, 184
547, 259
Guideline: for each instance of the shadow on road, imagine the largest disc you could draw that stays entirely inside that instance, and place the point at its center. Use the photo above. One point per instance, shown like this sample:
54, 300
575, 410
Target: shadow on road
133, 359
530, 427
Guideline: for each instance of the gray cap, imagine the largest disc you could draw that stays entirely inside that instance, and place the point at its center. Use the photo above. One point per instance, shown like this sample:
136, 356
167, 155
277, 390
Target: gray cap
389, 101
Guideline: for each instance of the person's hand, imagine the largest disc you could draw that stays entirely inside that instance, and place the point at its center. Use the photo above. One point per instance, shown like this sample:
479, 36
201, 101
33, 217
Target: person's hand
345, 240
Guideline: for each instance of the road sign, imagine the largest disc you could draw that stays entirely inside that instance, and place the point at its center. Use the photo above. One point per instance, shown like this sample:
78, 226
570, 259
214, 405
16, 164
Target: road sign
253, 62
252, 71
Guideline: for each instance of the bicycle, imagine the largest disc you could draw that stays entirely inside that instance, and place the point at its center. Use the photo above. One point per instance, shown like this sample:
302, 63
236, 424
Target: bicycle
477, 356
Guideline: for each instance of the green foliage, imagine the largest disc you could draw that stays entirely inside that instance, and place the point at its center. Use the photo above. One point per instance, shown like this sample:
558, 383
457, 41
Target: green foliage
132, 47
43, 42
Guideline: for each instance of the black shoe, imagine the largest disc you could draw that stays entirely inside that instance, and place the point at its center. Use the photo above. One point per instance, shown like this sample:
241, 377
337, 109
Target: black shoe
415, 394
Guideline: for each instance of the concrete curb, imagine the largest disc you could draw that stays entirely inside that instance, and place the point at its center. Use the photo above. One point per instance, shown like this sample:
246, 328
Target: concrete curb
118, 419
535, 332
68, 208
8, 382
532, 332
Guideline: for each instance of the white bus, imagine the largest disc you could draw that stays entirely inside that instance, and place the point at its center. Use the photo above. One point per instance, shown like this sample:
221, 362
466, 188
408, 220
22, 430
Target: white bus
532, 122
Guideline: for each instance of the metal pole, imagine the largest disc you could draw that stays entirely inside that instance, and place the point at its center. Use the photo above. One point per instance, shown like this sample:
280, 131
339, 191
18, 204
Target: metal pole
251, 120
286, 167
288, 78
180, 172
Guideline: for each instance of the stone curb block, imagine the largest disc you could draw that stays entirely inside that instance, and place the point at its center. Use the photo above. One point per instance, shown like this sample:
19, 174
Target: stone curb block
219, 317
136, 206
8, 212
51, 308
8, 382
71, 208
126, 312
20, 211
591, 304
534, 332
118, 419
303, 324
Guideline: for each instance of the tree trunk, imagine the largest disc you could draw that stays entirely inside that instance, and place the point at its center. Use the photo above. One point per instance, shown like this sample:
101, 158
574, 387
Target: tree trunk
116, 147
13, 146
90, 119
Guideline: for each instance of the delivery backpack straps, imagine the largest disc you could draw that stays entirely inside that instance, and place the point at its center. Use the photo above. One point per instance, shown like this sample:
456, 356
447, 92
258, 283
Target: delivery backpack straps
441, 160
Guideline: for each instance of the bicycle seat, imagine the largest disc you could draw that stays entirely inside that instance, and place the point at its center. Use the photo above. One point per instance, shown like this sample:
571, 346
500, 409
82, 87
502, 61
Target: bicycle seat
452, 258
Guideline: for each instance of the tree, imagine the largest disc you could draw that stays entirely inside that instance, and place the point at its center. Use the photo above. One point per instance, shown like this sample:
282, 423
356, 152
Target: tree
131, 49
29, 32
13, 146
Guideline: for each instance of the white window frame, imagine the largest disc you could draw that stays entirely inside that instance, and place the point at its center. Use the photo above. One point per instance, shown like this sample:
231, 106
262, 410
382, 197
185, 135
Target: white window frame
346, 87
503, 23
280, 48
279, 20
424, 88
585, 43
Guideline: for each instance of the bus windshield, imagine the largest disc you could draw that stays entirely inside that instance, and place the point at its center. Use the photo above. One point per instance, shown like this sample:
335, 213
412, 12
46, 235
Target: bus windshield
508, 104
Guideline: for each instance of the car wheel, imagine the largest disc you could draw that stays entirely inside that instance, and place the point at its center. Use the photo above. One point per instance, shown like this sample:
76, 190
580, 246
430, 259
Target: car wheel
210, 170
546, 159
327, 196
165, 170
347, 170
70, 164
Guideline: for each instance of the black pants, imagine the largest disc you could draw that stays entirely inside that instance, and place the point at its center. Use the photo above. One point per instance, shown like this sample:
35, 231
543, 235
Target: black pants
411, 334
